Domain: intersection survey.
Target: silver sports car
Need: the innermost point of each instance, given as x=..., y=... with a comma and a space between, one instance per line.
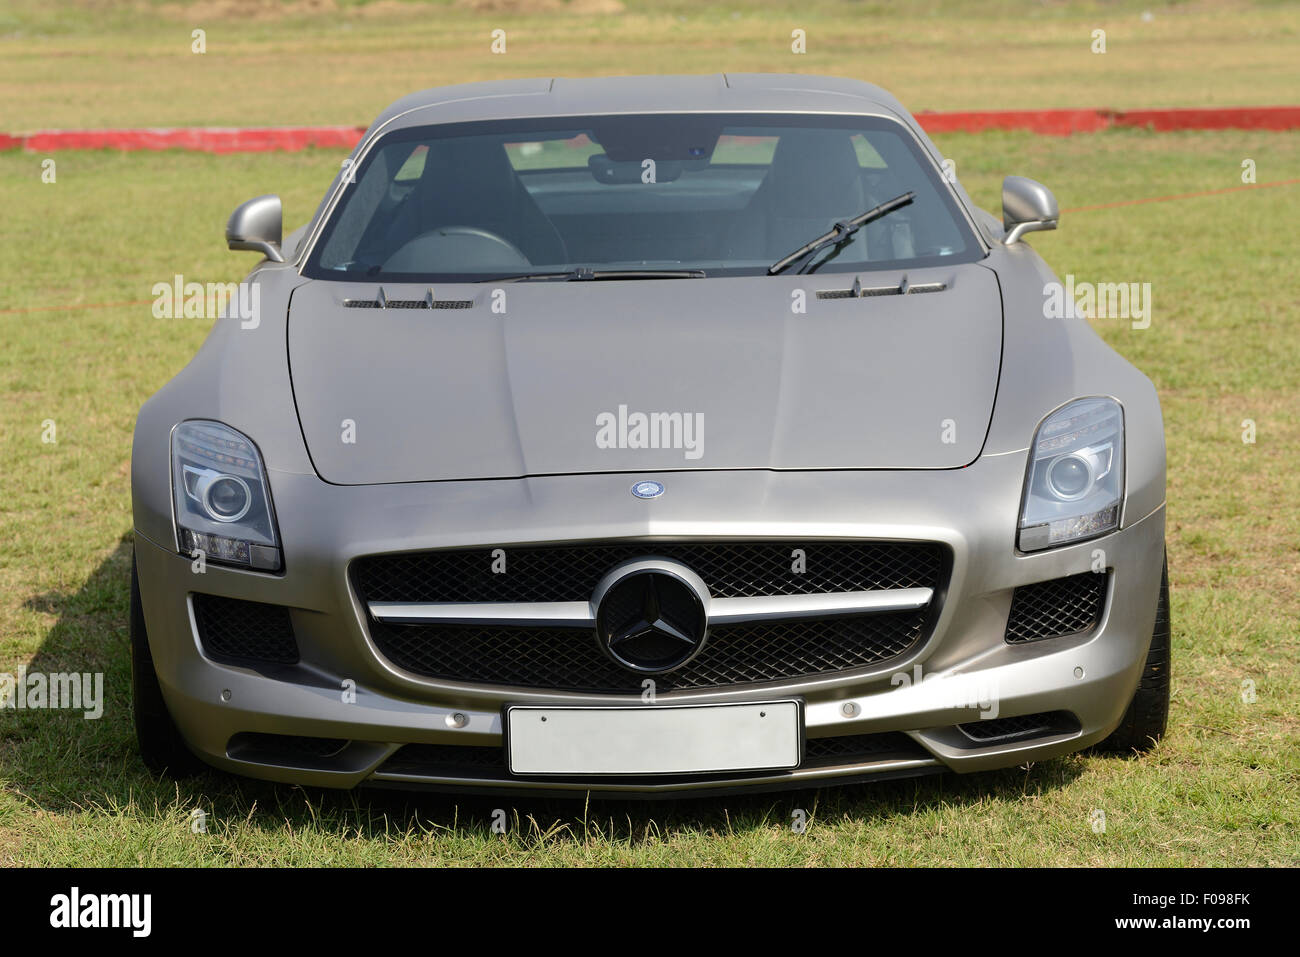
x=647, y=436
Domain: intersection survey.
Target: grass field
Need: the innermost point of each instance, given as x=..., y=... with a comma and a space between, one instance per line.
x=1223, y=346
x=129, y=62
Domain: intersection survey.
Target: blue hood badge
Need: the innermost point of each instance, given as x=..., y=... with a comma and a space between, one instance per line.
x=648, y=489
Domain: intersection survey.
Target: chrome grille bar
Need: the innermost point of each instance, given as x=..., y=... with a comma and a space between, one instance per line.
x=721, y=611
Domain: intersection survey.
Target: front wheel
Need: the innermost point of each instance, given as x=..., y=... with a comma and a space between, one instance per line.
x=1144, y=722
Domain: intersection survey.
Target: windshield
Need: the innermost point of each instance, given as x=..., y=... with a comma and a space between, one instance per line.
x=711, y=193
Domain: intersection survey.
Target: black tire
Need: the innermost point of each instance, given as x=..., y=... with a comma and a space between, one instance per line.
x=161, y=746
x=1144, y=722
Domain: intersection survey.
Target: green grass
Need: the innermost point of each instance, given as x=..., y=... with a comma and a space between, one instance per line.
x=77, y=63
x=1223, y=346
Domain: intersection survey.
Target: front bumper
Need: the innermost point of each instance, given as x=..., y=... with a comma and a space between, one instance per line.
x=344, y=689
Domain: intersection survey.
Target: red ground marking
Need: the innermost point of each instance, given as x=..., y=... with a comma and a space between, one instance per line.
x=1238, y=118
x=289, y=138
x=1051, y=122
x=1064, y=122
x=199, y=139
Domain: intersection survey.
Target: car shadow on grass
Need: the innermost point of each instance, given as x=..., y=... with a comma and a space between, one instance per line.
x=65, y=763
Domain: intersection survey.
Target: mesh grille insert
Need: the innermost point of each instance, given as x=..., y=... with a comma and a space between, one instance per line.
x=445, y=759
x=856, y=748
x=1056, y=608
x=570, y=660
x=571, y=572
x=231, y=629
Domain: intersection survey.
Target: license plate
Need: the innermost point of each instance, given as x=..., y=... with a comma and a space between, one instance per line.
x=654, y=739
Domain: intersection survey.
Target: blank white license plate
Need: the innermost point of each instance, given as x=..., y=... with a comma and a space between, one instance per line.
x=653, y=739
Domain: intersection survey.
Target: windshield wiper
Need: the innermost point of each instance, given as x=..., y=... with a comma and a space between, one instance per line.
x=587, y=274
x=842, y=231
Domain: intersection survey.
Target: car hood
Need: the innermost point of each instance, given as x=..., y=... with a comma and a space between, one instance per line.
x=644, y=376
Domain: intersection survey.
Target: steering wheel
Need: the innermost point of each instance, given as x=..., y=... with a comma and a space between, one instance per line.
x=456, y=249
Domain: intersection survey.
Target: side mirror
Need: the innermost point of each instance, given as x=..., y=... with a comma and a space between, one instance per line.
x=1027, y=206
x=256, y=225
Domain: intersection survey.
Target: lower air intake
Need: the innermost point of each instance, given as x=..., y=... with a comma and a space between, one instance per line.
x=238, y=631
x=443, y=760
x=1019, y=727
x=256, y=746
x=1057, y=608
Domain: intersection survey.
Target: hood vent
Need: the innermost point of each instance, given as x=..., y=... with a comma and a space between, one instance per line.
x=428, y=302
x=859, y=291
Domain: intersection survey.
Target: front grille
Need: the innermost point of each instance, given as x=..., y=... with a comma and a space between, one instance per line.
x=1020, y=726
x=570, y=659
x=234, y=630
x=571, y=572
x=1056, y=608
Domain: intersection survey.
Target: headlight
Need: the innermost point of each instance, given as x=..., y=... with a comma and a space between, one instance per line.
x=1076, y=475
x=223, y=504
